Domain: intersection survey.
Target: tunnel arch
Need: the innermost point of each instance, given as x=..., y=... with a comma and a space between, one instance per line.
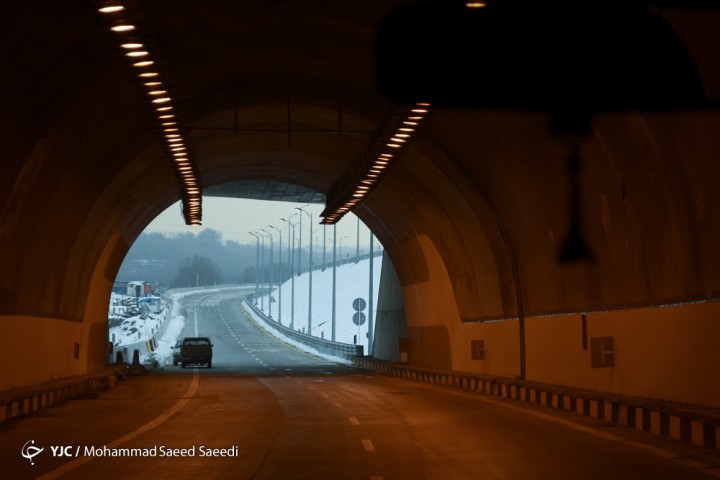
x=479, y=200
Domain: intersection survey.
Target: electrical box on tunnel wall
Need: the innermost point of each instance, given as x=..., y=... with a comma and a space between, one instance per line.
x=602, y=352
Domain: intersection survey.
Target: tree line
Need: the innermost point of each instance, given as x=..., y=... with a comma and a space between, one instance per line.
x=187, y=260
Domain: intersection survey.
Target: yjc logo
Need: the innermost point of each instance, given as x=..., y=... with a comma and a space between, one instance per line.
x=30, y=451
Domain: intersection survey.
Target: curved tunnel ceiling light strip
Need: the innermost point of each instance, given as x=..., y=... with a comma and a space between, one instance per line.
x=175, y=143
x=368, y=170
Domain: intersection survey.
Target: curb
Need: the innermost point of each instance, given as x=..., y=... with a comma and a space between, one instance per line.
x=25, y=401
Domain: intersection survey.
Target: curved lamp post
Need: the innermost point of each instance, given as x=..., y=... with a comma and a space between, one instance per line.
x=291, y=261
x=301, y=209
x=257, y=262
x=280, y=271
x=269, y=235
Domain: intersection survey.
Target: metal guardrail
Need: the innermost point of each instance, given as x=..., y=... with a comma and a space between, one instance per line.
x=321, y=345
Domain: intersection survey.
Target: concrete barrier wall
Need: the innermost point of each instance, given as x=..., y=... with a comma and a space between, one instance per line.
x=327, y=347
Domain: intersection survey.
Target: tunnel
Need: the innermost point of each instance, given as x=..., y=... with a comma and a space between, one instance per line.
x=281, y=100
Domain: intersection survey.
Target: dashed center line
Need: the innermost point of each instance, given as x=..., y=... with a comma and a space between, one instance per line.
x=368, y=445
x=354, y=420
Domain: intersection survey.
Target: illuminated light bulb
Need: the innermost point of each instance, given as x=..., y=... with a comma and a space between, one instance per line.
x=153, y=84
x=157, y=92
x=138, y=53
x=167, y=115
x=144, y=63
x=163, y=109
x=131, y=46
x=392, y=145
x=122, y=28
x=148, y=74
x=111, y=9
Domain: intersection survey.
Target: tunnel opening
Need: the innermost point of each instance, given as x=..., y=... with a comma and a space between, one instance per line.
x=315, y=286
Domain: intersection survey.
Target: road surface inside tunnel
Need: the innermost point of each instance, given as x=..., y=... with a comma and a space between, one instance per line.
x=269, y=411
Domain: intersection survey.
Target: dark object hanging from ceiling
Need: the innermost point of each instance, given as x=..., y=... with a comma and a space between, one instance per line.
x=570, y=59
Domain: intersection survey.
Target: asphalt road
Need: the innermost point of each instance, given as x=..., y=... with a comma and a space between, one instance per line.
x=268, y=411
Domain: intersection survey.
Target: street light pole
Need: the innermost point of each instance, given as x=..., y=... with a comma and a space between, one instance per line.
x=357, y=241
x=334, y=279
x=309, y=329
x=370, y=299
x=343, y=238
x=269, y=235
x=291, y=259
x=257, y=262
x=262, y=272
x=280, y=280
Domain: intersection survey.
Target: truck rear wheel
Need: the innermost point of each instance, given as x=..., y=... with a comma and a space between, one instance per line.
x=209, y=364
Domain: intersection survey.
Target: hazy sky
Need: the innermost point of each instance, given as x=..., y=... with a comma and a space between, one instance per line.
x=234, y=218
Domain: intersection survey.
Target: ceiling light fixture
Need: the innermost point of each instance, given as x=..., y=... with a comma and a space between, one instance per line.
x=364, y=175
x=178, y=154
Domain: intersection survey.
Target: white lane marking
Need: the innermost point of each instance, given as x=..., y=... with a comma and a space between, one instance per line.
x=368, y=445
x=354, y=420
x=78, y=462
x=196, y=327
x=339, y=405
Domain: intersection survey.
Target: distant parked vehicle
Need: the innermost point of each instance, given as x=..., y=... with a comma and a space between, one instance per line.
x=196, y=351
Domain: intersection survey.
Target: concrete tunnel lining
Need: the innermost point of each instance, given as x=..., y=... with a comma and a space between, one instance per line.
x=85, y=174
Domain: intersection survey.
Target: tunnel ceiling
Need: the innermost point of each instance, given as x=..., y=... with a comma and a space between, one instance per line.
x=263, y=190
x=278, y=99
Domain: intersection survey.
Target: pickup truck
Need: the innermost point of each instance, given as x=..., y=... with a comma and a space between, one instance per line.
x=197, y=351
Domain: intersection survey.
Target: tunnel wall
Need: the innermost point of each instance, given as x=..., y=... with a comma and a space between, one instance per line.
x=390, y=324
x=667, y=353
x=38, y=350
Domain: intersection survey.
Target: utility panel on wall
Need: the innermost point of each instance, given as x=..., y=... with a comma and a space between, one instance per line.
x=602, y=352
x=477, y=349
